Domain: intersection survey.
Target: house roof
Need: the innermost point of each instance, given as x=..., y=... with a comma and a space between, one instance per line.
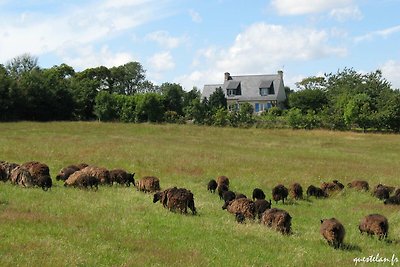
x=250, y=86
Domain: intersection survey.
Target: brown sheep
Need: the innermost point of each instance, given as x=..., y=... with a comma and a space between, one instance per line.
x=359, y=185
x=40, y=173
x=102, y=174
x=82, y=179
x=296, y=191
x=374, y=224
x=122, y=177
x=66, y=172
x=222, y=180
x=162, y=196
x=279, y=192
x=21, y=176
x=242, y=205
x=5, y=170
x=278, y=219
x=148, y=184
x=180, y=199
x=261, y=206
x=331, y=187
x=333, y=231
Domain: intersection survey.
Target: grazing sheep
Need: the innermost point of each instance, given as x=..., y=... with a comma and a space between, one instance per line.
x=221, y=189
x=381, y=192
x=374, y=224
x=162, y=196
x=228, y=196
x=258, y=193
x=240, y=217
x=296, y=191
x=222, y=180
x=359, y=185
x=339, y=184
x=102, y=174
x=316, y=192
x=242, y=205
x=212, y=186
x=181, y=199
x=21, y=176
x=278, y=219
x=82, y=179
x=122, y=177
x=279, y=192
x=331, y=187
x=261, y=206
x=393, y=200
x=148, y=184
x=333, y=231
x=240, y=195
x=40, y=173
x=5, y=170
x=66, y=172
x=44, y=182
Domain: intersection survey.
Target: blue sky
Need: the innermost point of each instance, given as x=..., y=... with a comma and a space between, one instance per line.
x=193, y=42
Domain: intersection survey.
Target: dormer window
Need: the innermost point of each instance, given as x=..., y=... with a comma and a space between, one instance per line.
x=267, y=88
x=233, y=88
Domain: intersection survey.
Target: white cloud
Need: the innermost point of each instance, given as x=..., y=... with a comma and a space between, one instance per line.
x=162, y=62
x=261, y=48
x=381, y=33
x=74, y=27
x=346, y=13
x=88, y=57
x=302, y=7
x=391, y=71
x=195, y=16
x=164, y=39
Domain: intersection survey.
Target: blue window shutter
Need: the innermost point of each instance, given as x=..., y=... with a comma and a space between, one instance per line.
x=257, y=107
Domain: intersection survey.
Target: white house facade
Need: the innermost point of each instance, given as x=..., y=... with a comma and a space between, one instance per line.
x=261, y=91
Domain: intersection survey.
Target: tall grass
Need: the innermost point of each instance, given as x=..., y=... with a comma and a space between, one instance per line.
x=119, y=226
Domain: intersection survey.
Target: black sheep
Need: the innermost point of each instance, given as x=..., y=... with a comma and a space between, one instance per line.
x=261, y=206
x=280, y=192
x=212, y=186
x=221, y=189
x=316, y=192
x=381, y=192
x=258, y=194
x=393, y=200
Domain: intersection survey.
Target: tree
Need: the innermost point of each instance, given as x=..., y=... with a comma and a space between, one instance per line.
x=149, y=108
x=217, y=99
x=6, y=102
x=106, y=106
x=173, y=97
x=21, y=64
x=308, y=99
x=358, y=111
x=126, y=79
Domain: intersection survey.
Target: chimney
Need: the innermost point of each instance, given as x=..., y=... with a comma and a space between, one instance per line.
x=227, y=76
x=280, y=73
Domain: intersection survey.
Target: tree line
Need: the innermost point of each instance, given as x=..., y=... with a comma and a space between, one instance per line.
x=344, y=100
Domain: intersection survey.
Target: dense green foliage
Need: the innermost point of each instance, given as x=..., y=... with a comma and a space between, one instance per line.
x=119, y=226
x=345, y=100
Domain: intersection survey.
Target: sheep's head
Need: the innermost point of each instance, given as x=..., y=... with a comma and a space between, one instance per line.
x=157, y=196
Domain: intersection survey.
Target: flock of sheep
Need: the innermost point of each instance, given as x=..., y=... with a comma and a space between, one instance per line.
x=331, y=229
x=31, y=174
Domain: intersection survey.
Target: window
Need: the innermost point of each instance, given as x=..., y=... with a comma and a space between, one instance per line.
x=263, y=91
x=256, y=107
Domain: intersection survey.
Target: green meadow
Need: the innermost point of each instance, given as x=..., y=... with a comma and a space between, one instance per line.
x=119, y=226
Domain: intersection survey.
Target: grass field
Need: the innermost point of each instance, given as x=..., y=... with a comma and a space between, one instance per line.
x=119, y=226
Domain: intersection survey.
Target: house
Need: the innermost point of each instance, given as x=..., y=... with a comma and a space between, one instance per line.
x=261, y=91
